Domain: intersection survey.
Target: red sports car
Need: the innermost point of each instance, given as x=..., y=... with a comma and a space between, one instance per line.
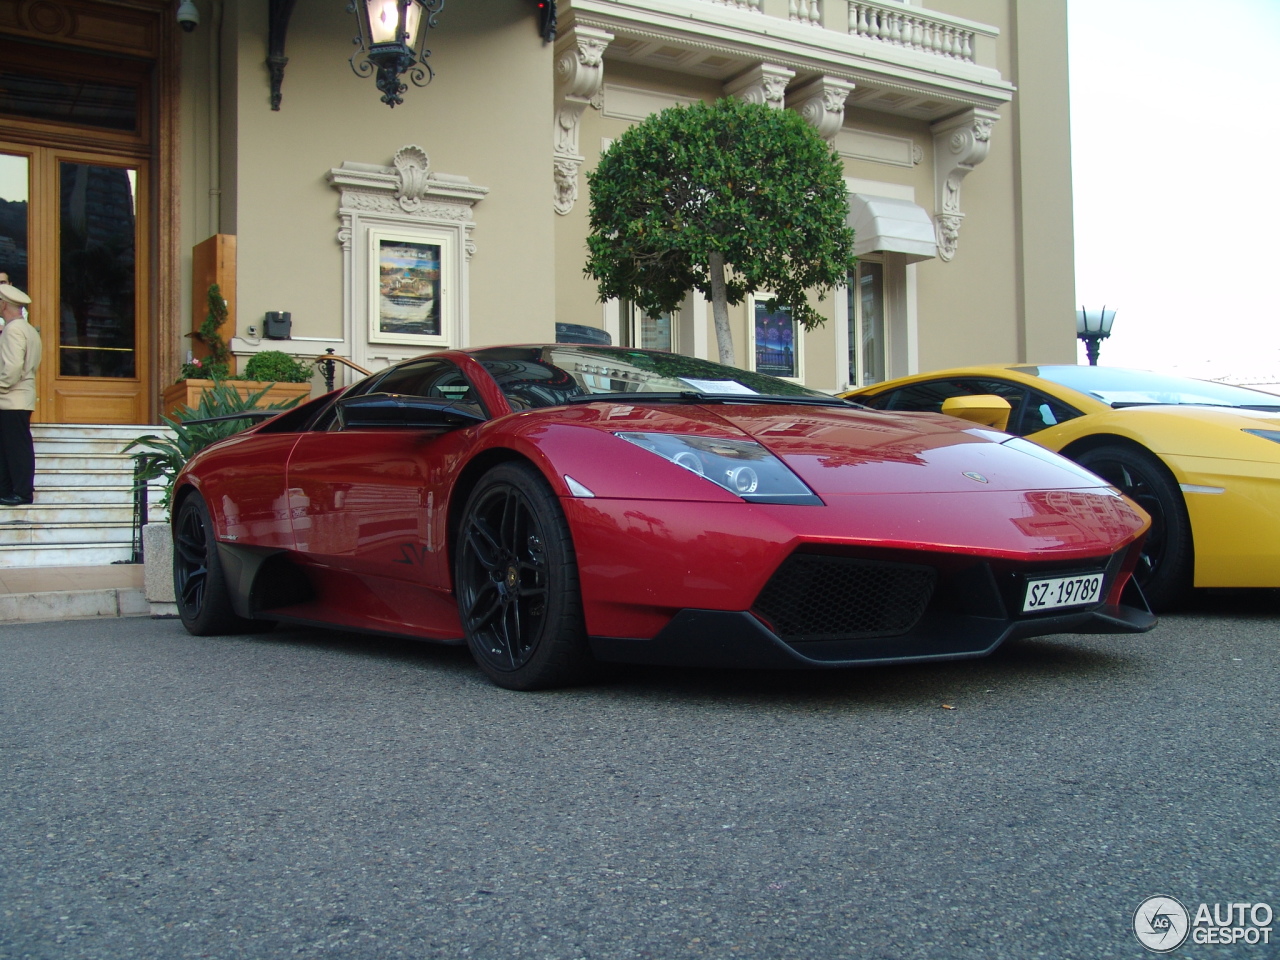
x=560, y=504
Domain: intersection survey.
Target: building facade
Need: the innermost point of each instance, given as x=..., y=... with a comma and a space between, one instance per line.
x=459, y=217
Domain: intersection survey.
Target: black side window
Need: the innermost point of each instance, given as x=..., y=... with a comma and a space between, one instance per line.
x=1043, y=412
x=924, y=397
x=929, y=396
x=440, y=379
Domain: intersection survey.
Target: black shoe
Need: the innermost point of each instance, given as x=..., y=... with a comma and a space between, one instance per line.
x=15, y=501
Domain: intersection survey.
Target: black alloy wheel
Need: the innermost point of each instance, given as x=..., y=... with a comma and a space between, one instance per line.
x=516, y=581
x=199, y=584
x=1165, y=567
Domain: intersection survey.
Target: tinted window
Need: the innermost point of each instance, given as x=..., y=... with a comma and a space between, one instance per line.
x=1042, y=412
x=428, y=378
x=440, y=379
x=551, y=375
x=930, y=396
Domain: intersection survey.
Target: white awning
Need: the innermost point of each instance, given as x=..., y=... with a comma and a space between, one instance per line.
x=895, y=226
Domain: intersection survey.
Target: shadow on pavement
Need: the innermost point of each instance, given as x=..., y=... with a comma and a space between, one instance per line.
x=1059, y=659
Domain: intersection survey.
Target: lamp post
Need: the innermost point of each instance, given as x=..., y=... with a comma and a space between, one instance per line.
x=1093, y=326
x=392, y=42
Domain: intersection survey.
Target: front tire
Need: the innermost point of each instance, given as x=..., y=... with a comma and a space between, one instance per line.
x=1165, y=568
x=199, y=584
x=516, y=580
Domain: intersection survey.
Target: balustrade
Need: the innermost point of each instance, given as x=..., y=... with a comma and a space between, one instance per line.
x=910, y=27
x=806, y=11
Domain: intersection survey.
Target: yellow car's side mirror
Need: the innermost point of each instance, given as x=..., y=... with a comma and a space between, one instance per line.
x=984, y=409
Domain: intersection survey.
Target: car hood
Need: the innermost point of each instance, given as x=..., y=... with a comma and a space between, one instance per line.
x=852, y=450
x=895, y=452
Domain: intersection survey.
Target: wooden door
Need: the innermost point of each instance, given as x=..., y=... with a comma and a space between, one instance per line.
x=82, y=256
x=77, y=139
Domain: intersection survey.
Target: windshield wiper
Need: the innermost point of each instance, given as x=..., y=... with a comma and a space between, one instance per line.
x=694, y=396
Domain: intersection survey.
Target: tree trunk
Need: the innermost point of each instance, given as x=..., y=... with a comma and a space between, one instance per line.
x=720, y=309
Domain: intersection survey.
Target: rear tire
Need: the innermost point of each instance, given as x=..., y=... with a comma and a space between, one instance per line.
x=199, y=584
x=516, y=581
x=1166, y=566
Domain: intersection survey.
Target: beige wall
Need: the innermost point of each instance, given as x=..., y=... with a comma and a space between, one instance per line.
x=1008, y=294
x=489, y=102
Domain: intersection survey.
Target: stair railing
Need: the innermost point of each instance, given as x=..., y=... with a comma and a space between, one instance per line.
x=140, y=511
x=328, y=367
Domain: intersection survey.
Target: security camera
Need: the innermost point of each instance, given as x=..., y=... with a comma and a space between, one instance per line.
x=188, y=15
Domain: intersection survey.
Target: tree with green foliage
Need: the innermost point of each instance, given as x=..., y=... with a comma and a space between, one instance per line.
x=730, y=199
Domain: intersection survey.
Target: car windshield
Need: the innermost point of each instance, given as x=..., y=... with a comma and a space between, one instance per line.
x=543, y=376
x=1120, y=387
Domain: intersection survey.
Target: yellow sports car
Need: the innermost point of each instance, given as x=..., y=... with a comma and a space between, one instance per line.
x=1202, y=458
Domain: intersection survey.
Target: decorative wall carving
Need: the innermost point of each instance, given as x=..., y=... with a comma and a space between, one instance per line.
x=765, y=83
x=409, y=200
x=413, y=169
x=821, y=103
x=579, y=76
x=960, y=143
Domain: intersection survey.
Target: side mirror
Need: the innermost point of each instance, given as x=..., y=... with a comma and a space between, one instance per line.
x=984, y=409
x=406, y=412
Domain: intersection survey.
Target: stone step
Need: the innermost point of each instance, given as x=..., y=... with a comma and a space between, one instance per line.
x=96, y=461
x=65, y=555
x=85, y=496
x=67, y=477
x=113, y=527
x=65, y=440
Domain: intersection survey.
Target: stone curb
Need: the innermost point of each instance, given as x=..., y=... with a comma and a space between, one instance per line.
x=73, y=605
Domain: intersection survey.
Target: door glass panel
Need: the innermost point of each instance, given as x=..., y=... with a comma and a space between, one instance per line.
x=14, y=178
x=97, y=257
x=69, y=100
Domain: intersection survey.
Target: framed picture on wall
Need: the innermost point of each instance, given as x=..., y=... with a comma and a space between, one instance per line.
x=410, y=294
x=775, y=339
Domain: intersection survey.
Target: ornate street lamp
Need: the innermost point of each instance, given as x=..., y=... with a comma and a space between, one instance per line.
x=392, y=42
x=1093, y=326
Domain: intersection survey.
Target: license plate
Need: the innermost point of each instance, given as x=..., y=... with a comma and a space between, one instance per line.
x=1060, y=592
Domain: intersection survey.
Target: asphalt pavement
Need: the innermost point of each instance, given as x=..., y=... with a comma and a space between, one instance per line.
x=317, y=794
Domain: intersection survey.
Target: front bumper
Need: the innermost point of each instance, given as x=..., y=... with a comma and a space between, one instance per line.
x=716, y=638
x=864, y=612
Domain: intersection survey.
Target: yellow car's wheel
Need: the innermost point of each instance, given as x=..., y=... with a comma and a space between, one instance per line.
x=1165, y=569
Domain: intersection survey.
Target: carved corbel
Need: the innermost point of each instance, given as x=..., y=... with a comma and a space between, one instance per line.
x=764, y=83
x=579, y=77
x=960, y=143
x=821, y=103
x=413, y=171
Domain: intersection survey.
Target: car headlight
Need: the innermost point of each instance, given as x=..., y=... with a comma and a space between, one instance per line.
x=742, y=467
x=1273, y=435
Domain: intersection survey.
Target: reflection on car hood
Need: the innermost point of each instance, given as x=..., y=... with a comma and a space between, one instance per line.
x=888, y=452
x=895, y=453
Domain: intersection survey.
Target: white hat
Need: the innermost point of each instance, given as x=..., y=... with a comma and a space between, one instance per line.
x=15, y=296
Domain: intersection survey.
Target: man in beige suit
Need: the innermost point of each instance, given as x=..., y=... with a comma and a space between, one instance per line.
x=20, y=351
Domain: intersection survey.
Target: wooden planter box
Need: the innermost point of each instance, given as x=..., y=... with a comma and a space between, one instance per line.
x=188, y=392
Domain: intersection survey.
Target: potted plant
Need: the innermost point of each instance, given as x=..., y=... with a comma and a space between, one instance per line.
x=270, y=372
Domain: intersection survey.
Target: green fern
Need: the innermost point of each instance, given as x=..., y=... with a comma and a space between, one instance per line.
x=165, y=456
